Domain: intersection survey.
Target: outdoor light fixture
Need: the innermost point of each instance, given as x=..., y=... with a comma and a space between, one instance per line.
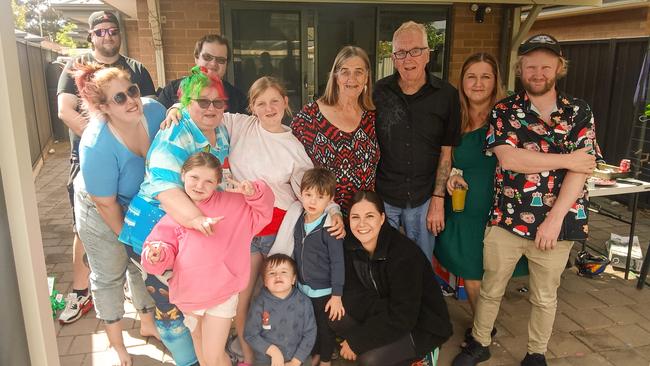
x=480, y=11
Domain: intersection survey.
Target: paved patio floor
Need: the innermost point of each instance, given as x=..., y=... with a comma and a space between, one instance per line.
x=603, y=321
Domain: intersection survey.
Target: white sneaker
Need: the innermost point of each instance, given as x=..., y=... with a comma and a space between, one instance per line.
x=75, y=308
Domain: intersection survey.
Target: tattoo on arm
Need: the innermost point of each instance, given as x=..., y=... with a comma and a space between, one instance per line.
x=442, y=174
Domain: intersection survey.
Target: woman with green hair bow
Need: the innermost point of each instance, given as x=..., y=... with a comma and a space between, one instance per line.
x=203, y=101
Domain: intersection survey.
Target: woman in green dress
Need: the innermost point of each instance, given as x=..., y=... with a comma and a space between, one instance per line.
x=460, y=245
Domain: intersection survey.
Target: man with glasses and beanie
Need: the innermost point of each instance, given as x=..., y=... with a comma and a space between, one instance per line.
x=418, y=122
x=105, y=39
x=212, y=52
x=548, y=209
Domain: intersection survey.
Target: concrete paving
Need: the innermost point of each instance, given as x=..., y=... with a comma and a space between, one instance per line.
x=602, y=321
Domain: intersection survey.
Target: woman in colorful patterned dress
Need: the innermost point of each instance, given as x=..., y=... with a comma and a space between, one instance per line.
x=338, y=129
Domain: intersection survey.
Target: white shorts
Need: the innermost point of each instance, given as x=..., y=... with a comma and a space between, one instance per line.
x=226, y=310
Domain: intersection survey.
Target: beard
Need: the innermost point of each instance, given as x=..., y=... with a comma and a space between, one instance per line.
x=536, y=90
x=108, y=51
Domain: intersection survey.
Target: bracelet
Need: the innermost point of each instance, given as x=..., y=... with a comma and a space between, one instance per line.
x=439, y=195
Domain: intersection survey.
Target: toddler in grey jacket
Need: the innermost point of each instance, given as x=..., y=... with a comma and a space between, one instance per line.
x=280, y=326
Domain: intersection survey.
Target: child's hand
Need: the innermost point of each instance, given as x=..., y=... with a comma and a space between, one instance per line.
x=172, y=118
x=294, y=362
x=337, y=229
x=204, y=224
x=276, y=355
x=244, y=187
x=335, y=308
x=154, y=252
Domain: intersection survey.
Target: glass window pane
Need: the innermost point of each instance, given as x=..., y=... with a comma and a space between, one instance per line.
x=267, y=43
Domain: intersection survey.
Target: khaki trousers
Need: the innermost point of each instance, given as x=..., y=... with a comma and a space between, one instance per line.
x=502, y=249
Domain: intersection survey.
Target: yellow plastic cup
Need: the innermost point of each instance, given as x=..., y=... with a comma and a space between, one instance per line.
x=458, y=199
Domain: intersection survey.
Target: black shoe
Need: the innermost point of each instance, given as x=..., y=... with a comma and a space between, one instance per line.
x=469, y=336
x=534, y=359
x=471, y=354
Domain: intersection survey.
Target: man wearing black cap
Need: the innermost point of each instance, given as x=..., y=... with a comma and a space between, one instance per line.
x=545, y=207
x=105, y=38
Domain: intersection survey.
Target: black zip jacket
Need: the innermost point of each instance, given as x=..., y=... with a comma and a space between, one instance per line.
x=391, y=294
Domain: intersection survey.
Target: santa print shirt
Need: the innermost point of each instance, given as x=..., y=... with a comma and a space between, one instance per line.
x=351, y=156
x=522, y=201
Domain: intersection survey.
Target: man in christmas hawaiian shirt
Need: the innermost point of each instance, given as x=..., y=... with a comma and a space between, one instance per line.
x=545, y=144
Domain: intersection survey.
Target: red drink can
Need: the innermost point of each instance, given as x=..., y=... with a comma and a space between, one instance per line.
x=624, y=166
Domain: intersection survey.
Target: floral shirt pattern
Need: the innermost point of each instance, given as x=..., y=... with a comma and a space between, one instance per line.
x=522, y=201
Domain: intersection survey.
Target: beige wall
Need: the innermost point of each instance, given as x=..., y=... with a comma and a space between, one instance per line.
x=614, y=24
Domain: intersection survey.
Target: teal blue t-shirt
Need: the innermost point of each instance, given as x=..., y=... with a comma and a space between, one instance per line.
x=312, y=225
x=108, y=168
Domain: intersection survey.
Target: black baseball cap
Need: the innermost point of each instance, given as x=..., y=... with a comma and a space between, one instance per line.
x=103, y=16
x=540, y=41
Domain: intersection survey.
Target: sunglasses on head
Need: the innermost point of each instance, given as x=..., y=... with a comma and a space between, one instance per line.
x=120, y=98
x=101, y=32
x=209, y=58
x=205, y=103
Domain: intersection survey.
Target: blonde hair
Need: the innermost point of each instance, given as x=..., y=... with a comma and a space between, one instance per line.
x=331, y=95
x=496, y=95
x=263, y=84
x=563, y=64
x=411, y=26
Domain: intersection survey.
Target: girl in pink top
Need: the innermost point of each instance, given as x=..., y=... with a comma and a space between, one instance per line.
x=209, y=271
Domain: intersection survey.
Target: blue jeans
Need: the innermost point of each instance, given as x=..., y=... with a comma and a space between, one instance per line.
x=414, y=220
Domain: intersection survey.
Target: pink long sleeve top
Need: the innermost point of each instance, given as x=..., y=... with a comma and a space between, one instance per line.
x=207, y=270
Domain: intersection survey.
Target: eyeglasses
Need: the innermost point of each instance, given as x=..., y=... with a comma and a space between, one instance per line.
x=205, y=103
x=120, y=98
x=209, y=58
x=414, y=52
x=347, y=73
x=101, y=32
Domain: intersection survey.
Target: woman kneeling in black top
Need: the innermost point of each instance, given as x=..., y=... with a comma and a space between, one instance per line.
x=394, y=310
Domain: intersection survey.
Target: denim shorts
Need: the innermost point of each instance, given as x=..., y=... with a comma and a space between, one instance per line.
x=262, y=244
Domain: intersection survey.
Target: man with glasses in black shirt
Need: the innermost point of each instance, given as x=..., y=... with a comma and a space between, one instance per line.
x=105, y=39
x=418, y=122
x=212, y=52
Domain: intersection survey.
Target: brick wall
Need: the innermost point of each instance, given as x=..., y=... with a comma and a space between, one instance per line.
x=614, y=24
x=469, y=37
x=186, y=21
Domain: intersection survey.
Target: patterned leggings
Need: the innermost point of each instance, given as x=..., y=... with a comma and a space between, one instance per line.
x=169, y=320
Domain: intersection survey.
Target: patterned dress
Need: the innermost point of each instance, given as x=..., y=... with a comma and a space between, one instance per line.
x=351, y=156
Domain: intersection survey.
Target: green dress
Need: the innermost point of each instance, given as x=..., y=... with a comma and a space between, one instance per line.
x=459, y=247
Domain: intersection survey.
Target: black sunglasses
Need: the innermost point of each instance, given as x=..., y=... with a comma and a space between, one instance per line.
x=205, y=103
x=101, y=32
x=120, y=98
x=208, y=58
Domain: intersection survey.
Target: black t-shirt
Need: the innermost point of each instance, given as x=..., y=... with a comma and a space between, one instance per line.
x=411, y=129
x=139, y=74
x=236, y=99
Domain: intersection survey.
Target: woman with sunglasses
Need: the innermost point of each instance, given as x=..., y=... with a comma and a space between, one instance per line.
x=112, y=154
x=200, y=128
